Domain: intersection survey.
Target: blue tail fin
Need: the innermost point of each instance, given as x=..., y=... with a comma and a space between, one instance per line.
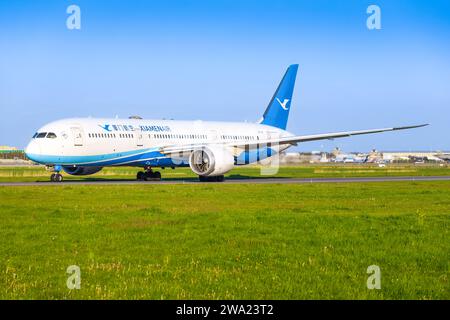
x=277, y=112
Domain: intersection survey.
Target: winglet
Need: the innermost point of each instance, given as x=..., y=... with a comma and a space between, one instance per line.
x=411, y=127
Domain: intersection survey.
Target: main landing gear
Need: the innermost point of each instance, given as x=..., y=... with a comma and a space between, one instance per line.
x=148, y=175
x=211, y=179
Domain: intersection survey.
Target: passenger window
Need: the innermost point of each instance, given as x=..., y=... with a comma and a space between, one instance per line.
x=51, y=135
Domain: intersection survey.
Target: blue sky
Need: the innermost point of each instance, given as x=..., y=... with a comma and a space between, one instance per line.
x=222, y=60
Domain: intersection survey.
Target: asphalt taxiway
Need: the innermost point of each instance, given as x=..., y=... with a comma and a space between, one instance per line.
x=229, y=181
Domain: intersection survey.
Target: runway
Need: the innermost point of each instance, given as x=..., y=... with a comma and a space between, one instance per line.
x=228, y=181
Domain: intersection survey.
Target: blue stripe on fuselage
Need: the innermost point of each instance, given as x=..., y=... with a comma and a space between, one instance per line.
x=146, y=157
x=98, y=160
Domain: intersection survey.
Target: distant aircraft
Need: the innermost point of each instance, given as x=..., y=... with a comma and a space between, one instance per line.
x=348, y=159
x=443, y=156
x=83, y=146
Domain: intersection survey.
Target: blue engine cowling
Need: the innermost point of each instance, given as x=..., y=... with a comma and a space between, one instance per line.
x=81, y=171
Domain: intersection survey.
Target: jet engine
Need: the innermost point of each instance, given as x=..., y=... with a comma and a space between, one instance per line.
x=81, y=171
x=211, y=161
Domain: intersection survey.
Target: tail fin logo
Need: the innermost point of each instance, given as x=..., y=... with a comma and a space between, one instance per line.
x=284, y=103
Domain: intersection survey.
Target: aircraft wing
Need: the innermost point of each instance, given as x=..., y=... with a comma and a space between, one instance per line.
x=282, y=140
x=330, y=136
x=323, y=136
x=181, y=150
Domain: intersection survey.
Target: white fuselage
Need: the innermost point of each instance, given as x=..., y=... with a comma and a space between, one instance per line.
x=135, y=142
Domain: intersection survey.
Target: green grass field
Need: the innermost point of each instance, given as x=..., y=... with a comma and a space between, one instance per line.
x=217, y=241
x=38, y=173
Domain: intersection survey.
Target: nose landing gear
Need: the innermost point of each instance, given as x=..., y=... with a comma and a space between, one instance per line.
x=55, y=176
x=148, y=175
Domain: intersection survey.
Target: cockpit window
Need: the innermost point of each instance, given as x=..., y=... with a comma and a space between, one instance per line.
x=51, y=135
x=41, y=135
x=34, y=135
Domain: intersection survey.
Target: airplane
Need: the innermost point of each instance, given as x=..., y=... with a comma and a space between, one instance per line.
x=83, y=146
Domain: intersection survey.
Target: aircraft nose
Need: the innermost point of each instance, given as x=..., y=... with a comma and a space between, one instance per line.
x=33, y=150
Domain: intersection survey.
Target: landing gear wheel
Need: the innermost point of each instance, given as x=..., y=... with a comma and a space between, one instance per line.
x=140, y=175
x=152, y=176
x=157, y=175
x=149, y=175
x=56, y=177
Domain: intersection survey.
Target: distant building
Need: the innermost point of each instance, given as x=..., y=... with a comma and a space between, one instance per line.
x=324, y=158
x=445, y=156
x=411, y=156
x=374, y=156
x=7, y=152
x=8, y=149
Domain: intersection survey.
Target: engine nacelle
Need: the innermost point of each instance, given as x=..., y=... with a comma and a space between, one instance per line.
x=81, y=171
x=211, y=161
